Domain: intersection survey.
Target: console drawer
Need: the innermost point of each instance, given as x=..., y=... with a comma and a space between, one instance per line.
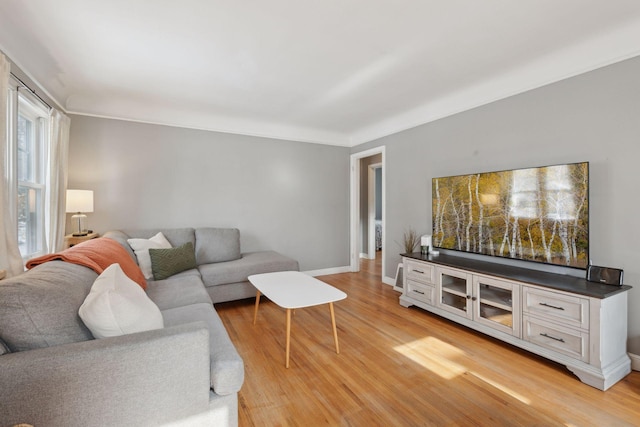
x=421, y=292
x=570, y=342
x=567, y=309
x=419, y=271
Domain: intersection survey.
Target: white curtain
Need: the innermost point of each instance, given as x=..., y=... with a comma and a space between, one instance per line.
x=10, y=258
x=55, y=212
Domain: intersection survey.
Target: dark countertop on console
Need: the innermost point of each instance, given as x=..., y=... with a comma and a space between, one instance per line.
x=556, y=281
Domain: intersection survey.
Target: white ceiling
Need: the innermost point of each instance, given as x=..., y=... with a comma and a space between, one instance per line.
x=337, y=72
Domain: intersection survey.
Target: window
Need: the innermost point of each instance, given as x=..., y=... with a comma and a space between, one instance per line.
x=30, y=135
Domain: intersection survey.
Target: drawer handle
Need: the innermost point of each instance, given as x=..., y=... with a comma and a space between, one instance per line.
x=553, y=338
x=418, y=271
x=551, y=306
x=418, y=292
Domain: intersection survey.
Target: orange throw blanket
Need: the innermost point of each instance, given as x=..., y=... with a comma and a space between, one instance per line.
x=97, y=254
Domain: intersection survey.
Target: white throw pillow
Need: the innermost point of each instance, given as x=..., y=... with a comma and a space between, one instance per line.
x=116, y=305
x=141, y=248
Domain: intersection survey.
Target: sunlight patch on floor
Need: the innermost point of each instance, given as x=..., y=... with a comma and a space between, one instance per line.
x=502, y=388
x=435, y=355
x=438, y=357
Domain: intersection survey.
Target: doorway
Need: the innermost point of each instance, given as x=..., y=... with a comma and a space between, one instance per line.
x=367, y=222
x=374, y=208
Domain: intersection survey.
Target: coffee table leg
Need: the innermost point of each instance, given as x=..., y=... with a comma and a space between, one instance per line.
x=255, y=311
x=288, y=336
x=333, y=324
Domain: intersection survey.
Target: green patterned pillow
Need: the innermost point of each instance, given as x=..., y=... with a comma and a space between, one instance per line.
x=167, y=262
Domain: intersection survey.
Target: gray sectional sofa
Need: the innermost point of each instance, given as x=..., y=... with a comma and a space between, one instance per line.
x=221, y=265
x=53, y=373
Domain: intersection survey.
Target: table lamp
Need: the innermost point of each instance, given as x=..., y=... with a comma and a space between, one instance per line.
x=80, y=201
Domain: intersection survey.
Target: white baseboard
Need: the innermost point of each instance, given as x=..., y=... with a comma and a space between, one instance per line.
x=364, y=255
x=327, y=271
x=346, y=269
x=635, y=361
x=389, y=281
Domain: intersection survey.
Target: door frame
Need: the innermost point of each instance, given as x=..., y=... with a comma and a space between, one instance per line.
x=354, y=254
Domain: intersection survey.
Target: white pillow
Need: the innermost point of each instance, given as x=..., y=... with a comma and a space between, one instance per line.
x=116, y=305
x=141, y=248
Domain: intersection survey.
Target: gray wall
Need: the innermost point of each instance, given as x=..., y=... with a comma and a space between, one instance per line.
x=287, y=196
x=594, y=117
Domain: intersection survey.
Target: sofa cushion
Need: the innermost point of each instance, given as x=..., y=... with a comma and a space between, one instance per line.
x=117, y=306
x=227, y=367
x=39, y=308
x=141, y=248
x=250, y=263
x=167, y=262
x=177, y=291
x=217, y=245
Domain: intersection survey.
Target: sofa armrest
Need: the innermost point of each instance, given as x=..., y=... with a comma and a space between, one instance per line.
x=148, y=378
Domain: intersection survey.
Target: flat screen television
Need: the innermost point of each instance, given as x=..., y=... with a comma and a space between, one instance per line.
x=538, y=214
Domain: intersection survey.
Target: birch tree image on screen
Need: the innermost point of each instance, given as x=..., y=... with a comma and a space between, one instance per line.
x=537, y=214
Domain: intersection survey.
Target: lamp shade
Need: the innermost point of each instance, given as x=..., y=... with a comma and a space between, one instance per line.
x=79, y=200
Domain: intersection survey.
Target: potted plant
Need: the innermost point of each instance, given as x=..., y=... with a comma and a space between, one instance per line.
x=410, y=240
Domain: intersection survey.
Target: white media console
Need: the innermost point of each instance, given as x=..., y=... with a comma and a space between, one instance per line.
x=580, y=324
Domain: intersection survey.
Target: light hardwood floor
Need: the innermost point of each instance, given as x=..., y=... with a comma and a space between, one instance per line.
x=403, y=367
